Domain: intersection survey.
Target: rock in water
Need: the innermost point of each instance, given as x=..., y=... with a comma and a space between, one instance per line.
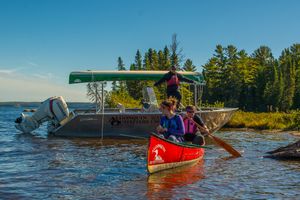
x=289, y=152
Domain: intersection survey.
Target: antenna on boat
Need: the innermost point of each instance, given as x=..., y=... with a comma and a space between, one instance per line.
x=102, y=102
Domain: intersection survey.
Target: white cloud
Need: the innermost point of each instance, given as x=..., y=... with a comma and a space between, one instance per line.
x=8, y=71
x=16, y=87
x=32, y=64
x=11, y=70
x=47, y=76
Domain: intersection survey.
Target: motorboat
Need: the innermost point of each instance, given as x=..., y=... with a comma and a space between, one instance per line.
x=114, y=122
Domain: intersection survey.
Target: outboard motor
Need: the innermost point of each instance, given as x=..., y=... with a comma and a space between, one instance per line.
x=53, y=110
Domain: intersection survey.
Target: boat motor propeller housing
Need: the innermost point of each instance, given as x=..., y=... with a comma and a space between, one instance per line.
x=53, y=110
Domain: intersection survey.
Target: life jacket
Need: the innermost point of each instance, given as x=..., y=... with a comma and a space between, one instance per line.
x=170, y=123
x=190, y=126
x=173, y=80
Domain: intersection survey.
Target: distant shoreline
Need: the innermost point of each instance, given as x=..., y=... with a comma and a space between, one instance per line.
x=37, y=104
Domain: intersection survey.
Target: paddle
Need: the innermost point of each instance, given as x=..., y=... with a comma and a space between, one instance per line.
x=220, y=142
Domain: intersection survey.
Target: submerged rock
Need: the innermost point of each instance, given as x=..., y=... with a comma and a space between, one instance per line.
x=290, y=152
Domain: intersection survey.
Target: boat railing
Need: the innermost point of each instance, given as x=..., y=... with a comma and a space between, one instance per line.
x=112, y=110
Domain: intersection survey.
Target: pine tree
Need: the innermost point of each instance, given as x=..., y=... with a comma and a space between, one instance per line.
x=273, y=89
x=121, y=67
x=188, y=66
x=167, y=59
x=161, y=61
x=247, y=70
x=176, y=53
x=296, y=100
x=146, y=62
x=264, y=61
x=295, y=53
x=287, y=65
x=153, y=59
x=213, y=75
x=138, y=60
x=116, y=84
x=232, y=77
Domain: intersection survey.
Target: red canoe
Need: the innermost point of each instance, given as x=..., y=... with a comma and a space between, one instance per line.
x=164, y=154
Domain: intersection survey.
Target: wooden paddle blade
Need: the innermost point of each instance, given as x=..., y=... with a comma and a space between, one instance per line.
x=226, y=146
x=220, y=142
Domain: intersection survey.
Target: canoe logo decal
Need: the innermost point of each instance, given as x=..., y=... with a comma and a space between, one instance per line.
x=157, y=150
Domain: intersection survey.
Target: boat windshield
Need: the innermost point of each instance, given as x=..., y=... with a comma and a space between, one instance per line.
x=149, y=96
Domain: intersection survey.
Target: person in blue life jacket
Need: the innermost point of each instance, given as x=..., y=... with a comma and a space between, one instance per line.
x=173, y=79
x=171, y=124
x=193, y=133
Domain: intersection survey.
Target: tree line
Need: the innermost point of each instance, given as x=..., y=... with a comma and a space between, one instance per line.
x=152, y=60
x=255, y=82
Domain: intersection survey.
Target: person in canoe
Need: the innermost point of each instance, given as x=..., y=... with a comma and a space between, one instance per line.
x=173, y=81
x=192, y=132
x=171, y=124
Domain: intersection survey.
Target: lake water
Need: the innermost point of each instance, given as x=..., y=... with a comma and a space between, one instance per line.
x=38, y=166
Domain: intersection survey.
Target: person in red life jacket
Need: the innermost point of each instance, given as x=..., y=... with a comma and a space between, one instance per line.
x=173, y=81
x=192, y=132
x=171, y=124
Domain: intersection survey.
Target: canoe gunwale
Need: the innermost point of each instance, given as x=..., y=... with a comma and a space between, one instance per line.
x=181, y=144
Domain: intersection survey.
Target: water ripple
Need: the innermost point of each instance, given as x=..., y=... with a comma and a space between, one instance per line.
x=38, y=166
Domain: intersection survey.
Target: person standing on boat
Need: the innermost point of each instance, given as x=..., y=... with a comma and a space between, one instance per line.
x=192, y=132
x=173, y=81
x=171, y=124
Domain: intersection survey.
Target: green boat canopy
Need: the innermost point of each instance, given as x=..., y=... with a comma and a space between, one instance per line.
x=93, y=76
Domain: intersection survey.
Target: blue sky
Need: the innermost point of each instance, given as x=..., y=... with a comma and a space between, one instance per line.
x=42, y=41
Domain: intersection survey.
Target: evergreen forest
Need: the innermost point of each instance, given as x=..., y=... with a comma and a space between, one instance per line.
x=252, y=82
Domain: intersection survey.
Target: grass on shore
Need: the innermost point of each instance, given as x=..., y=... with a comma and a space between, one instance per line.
x=265, y=121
